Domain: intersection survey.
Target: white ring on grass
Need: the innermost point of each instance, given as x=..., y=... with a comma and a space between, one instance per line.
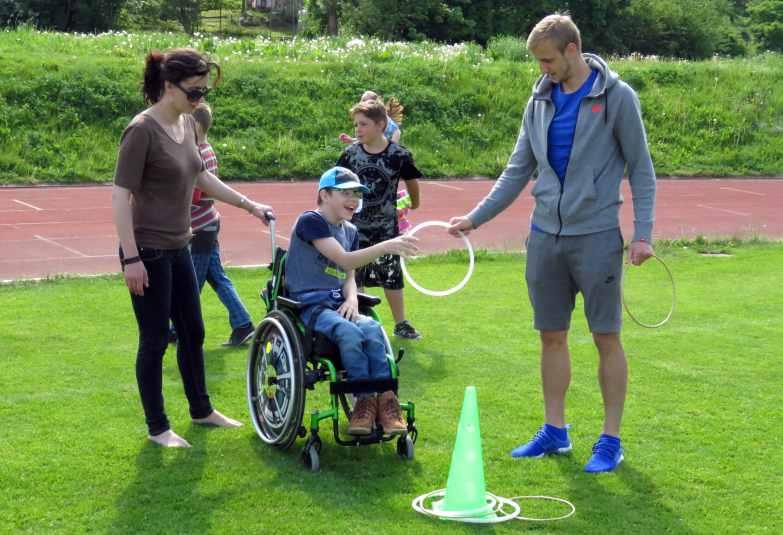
x=439, y=293
x=516, y=499
x=495, y=504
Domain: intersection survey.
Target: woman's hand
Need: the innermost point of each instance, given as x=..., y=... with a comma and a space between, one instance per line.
x=136, y=278
x=350, y=308
x=261, y=211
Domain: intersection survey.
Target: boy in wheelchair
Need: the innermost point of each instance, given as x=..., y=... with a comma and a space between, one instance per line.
x=319, y=272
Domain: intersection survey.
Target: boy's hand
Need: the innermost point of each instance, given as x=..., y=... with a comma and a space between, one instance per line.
x=350, y=308
x=345, y=138
x=460, y=224
x=404, y=246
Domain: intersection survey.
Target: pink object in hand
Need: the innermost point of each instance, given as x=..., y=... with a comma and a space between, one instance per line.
x=403, y=207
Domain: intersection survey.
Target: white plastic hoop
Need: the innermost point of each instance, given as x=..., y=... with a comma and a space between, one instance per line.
x=495, y=504
x=516, y=499
x=665, y=320
x=462, y=283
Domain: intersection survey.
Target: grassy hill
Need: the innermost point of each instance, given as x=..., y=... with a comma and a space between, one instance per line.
x=66, y=98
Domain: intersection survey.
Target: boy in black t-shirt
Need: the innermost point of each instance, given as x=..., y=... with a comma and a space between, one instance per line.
x=380, y=164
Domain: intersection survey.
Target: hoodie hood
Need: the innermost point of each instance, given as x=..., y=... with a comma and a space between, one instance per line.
x=606, y=78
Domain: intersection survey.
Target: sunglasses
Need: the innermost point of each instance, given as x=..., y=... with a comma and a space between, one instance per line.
x=348, y=193
x=195, y=94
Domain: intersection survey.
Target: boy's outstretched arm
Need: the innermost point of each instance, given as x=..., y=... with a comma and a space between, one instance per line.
x=331, y=249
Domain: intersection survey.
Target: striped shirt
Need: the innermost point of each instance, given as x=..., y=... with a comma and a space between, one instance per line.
x=203, y=215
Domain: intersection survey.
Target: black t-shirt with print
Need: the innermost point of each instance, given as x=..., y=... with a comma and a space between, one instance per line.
x=381, y=173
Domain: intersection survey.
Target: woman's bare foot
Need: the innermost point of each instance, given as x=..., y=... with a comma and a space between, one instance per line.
x=218, y=420
x=169, y=439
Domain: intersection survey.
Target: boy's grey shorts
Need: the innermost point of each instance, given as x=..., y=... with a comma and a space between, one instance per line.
x=559, y=267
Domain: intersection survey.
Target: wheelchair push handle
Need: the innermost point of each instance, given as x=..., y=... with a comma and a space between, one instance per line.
x=272, y=220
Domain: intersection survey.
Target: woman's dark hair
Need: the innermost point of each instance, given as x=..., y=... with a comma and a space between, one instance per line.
x=174, y=66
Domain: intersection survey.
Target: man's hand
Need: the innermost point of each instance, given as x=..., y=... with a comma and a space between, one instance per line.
x=460, y=224
x=136, y=278
x=350, y=308
x=404, y=246
x=639, y=251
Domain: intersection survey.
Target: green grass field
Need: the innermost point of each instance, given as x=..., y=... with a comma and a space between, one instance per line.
x=699, y=430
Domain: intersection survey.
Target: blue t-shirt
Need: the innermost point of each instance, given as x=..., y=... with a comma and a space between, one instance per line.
x=306, y=269
x=391, y=127
x=560, y=137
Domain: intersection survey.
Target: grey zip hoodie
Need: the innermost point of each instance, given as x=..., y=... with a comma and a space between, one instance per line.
x=609, y=137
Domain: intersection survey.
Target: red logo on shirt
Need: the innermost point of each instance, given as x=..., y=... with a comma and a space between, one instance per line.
x=597, y=108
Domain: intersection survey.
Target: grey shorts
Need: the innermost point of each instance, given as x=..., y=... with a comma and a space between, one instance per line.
x=558, y=268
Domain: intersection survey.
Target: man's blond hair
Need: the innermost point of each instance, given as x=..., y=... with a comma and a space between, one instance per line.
x=557, y=28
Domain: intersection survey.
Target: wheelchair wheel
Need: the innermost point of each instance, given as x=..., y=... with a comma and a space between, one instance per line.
x=311, y=454
x=405, y=447
x=275, y=380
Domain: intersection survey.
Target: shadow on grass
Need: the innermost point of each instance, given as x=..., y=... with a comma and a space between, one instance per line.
x=351, y=479
x=421, y=366
x=640, y=509
x=165, y=492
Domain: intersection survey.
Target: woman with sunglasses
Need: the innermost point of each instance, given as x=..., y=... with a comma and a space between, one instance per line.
x=157, y=168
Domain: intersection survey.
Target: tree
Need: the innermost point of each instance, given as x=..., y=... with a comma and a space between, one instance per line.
x=187, y=12
x=70, y=15
x=14, y=12
x=766, y=23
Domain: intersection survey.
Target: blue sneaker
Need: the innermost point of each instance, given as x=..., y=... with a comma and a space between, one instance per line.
x=548, y=439
x=607, y=454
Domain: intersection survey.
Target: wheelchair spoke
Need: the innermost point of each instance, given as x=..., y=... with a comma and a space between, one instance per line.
x=277, y=406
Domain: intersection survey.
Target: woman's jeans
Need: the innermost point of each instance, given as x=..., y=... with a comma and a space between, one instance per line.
x=172, y=294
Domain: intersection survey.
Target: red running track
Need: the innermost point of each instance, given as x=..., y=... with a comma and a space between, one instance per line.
x=69, y=230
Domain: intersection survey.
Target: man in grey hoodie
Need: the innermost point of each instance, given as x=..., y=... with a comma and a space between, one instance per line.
x=582, y=128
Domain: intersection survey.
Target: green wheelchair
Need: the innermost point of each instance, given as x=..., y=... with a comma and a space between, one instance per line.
x=286, y=359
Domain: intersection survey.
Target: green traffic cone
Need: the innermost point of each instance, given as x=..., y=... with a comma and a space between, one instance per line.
x=465, y=490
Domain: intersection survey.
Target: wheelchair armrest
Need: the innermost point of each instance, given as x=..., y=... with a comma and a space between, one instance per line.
x=290, y=304
x=367, y=300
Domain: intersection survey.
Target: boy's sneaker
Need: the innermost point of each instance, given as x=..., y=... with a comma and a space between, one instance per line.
x=240, y=335
x=405, y=330
x=390, y=414
x=548, y=439
x=363, y=417
x=607, y=454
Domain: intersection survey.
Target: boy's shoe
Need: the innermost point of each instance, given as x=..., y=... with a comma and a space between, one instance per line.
x=390, y=414
x=240, y=335
x=363, y=417
x=607, y=454
x=545, y=441
x=405, y=330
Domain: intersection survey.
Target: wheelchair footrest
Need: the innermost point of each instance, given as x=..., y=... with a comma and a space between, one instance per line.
x=366, y=386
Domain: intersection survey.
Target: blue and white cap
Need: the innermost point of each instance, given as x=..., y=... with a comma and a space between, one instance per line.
x=341, y=178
